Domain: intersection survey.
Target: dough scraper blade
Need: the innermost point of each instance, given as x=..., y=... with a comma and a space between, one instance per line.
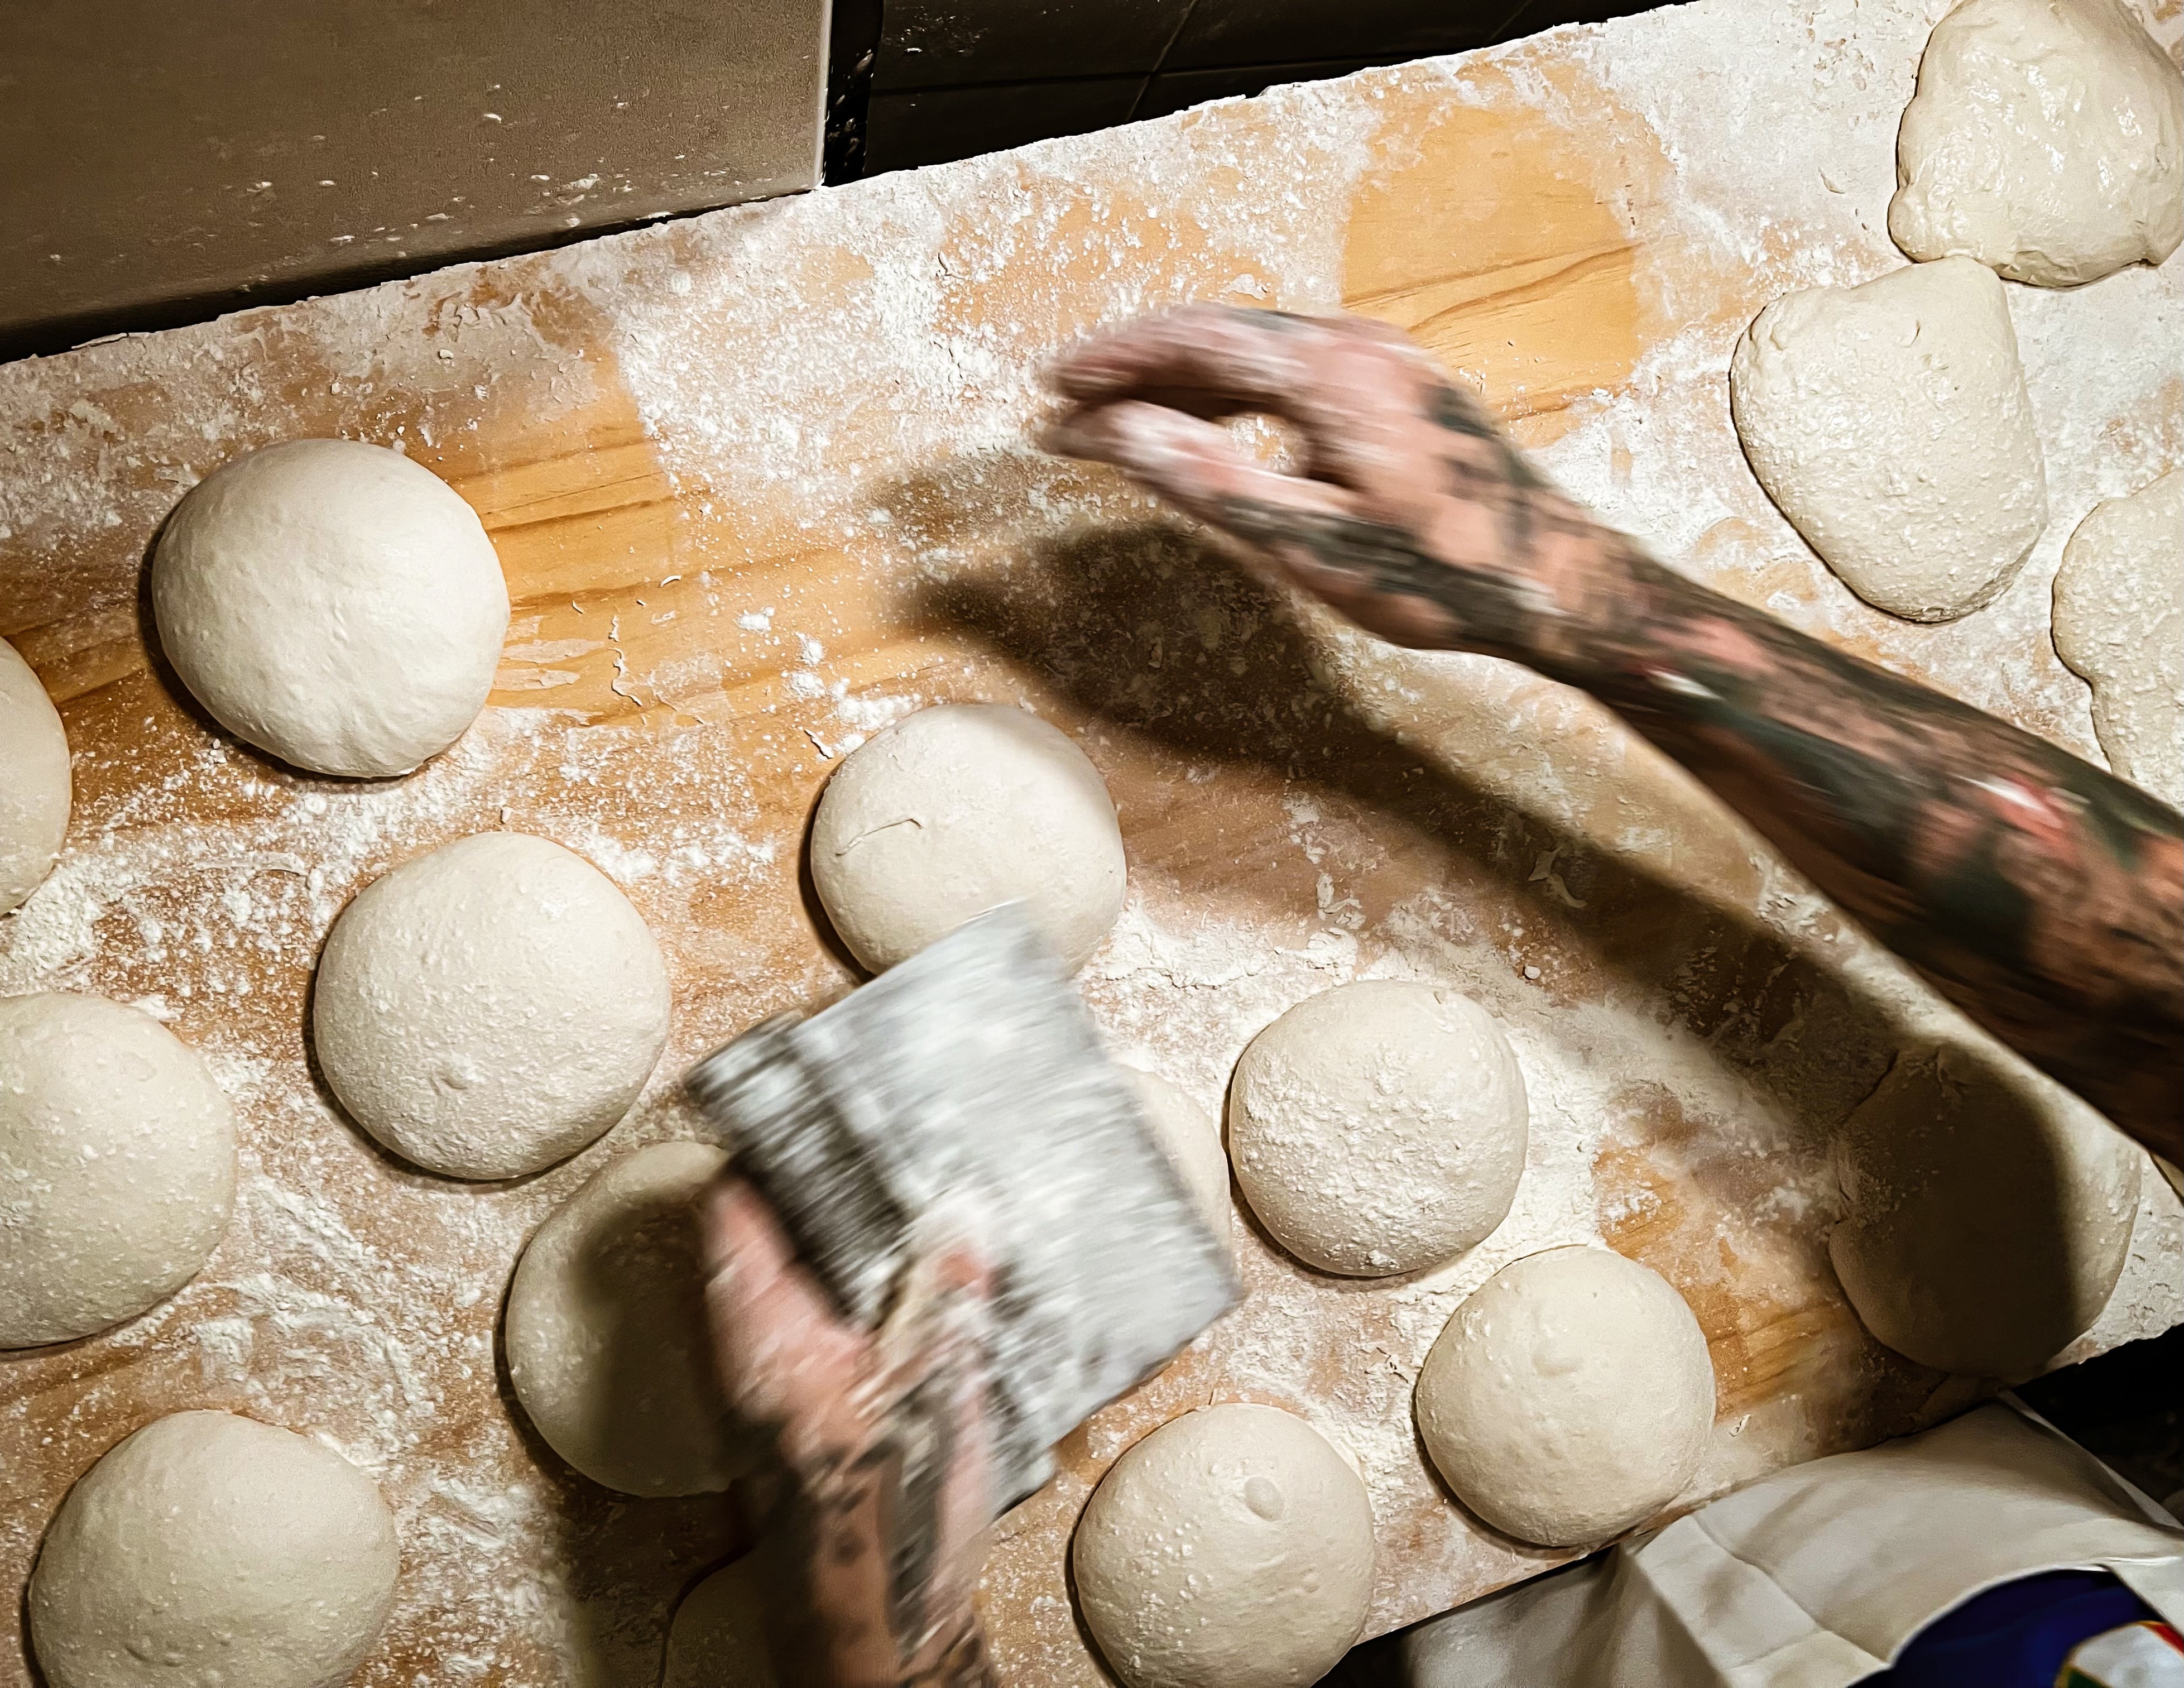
x=968, y=1087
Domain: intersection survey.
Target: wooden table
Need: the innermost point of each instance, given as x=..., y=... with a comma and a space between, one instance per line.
x=761, y=484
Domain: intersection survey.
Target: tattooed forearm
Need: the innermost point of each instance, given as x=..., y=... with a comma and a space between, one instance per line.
x=2044, y=897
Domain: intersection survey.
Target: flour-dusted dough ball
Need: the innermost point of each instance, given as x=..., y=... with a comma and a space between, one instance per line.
x=1231, y=1548
x=490, y=1008
x=607, y=1342
x=718, y=1638
x=2119, y=623
x=1989, y=1213
x=333, y=603
x=1890, y=423
x=1379, y=1127
x=209, y=1549
x=34, y=780
x=117, y=1165
x=2046, y=140
x=1192, y=1137
x=1569, y=1397
x=957, y=809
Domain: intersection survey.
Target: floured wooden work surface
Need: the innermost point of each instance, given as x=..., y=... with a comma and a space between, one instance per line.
x=760, y=485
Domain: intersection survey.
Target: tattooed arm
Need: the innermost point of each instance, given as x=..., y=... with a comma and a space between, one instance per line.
x=882, y=1433
x=2042, y=896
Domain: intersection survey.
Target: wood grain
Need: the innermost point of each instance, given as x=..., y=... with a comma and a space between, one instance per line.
x=759, y=483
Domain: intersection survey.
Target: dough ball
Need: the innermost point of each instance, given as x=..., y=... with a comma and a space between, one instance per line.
x=607, y=1342
x=117, y=1166
x=2046, y=140
x=1989, y=1213
x=2119, y=623
x=333, y=603
x=1231, y=1548
x=1378, y=1127
x=1890, y=423
x=490, y=1008
x=1192, y=1137
x=955, y=809
x=206, y=1549
x=718, y=1638
x=34, y=796
x=1570, y=1398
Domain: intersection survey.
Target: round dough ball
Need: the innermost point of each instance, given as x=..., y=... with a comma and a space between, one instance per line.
x=2120, y=624
x=117, y=1166
x=607, y=1340
x=1379, y=1127
x=718, y=1638
x=1989, y=1213
x=2046, y=140
x=34, y=796
x=1570, y=1398
x=1890, y=423
x=1192, y=1137
x=207, y=1548
x=490, y=1008
x=1231, y=1548
x=333, y=603
x=954, y=810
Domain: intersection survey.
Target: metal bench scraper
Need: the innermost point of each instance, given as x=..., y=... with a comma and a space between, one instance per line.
x=969, y=1081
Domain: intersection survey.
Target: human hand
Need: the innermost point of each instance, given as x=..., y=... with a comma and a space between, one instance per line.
x=1410, y=513
x=884, y=1433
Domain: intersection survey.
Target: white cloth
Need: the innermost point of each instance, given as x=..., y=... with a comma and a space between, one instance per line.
x=1817, y=1576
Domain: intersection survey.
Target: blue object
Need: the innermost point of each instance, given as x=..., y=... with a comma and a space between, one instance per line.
x=2014, y=1636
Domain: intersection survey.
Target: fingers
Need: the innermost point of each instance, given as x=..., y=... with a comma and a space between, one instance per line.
x=1229, y=358
x=1192, y=464
x=785, y=1356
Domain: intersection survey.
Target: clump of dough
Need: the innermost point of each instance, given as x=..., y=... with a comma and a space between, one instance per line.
x=718, y=1638
x=954, y=810
x=2119, y=623
x=1989, y=1213
x=333, y=603
x=1890, y=423
x=117, y=1165
x=490, y=1008
x=1379, y=1127
x=608, y=1346
x=1231, y=1548
x=34, y=796
x=1192, y=1137
x=2046, y=140
x=1570, y=1398
x=207, y=1548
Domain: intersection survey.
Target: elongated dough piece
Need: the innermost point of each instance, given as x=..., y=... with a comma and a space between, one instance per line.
x=2119, y=622
x=1890, y=423
x=2046, y=140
